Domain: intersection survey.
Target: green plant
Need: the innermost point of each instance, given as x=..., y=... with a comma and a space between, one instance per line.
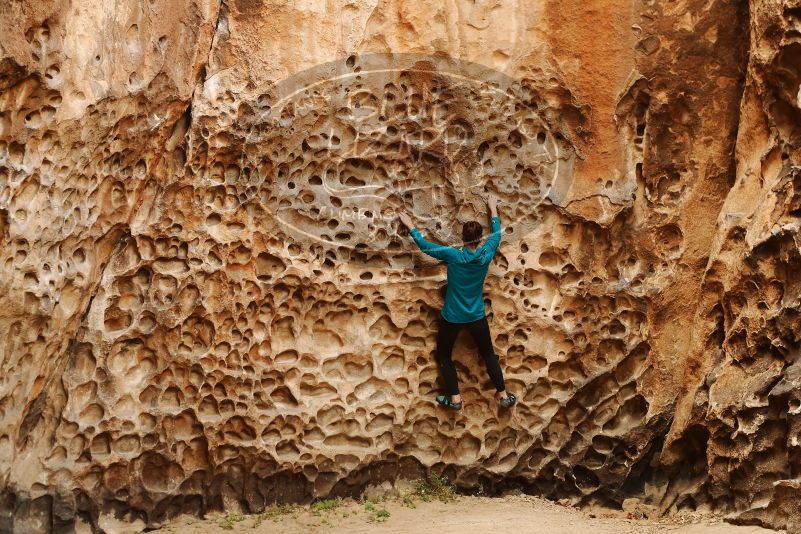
x=274, y=513
x=408, y=501
x=324, y=505
x=377, y=515
x=435, y=487
x=227, y=522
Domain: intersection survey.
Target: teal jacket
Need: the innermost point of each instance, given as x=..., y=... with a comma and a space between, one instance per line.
x=464, y=300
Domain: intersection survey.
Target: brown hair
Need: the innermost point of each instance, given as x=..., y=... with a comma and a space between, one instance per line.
x=471, y=232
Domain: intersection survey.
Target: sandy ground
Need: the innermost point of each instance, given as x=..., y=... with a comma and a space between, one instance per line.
x=465, y=515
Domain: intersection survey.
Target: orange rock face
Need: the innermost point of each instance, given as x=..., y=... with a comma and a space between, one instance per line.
x=207, y=302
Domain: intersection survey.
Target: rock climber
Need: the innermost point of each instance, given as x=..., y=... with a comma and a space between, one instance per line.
x=464, y=302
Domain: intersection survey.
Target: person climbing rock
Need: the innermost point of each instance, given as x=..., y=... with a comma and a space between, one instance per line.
x=464, y=302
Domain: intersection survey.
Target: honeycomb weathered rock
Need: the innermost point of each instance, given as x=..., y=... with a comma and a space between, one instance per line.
x=206, y=301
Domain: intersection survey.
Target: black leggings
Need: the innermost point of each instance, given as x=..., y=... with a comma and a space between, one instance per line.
x=446, y=337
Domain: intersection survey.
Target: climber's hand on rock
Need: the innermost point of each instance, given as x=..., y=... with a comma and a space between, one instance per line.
x=492, y=204
x=406, y=220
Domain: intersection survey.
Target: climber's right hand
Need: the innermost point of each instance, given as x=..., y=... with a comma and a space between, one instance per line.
x=406, y=220
x=492, y=204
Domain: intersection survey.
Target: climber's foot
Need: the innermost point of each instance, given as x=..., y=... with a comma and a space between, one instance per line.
x=446, y=402
x=506, y=400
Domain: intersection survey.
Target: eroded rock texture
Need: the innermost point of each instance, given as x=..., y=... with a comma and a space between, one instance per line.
x=207, y=303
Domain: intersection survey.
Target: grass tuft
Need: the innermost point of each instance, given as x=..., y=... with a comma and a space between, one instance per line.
x=377, y=515
x=435, y=487
x=227, y=522
x=274, y=513
x=324, y=505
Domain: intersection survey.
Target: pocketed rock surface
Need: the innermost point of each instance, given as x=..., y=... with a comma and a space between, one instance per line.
x=206, y=302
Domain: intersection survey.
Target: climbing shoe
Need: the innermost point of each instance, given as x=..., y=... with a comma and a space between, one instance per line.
x=508, y=401
x=446, y=402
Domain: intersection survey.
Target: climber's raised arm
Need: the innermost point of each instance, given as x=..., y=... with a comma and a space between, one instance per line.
x=494, y=238
x=439, y=252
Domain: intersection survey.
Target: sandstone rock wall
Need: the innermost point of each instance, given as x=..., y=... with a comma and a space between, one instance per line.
x=738, y=408
x=206, y=301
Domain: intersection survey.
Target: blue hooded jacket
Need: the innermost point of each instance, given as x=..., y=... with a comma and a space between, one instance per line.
x=467, y=269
